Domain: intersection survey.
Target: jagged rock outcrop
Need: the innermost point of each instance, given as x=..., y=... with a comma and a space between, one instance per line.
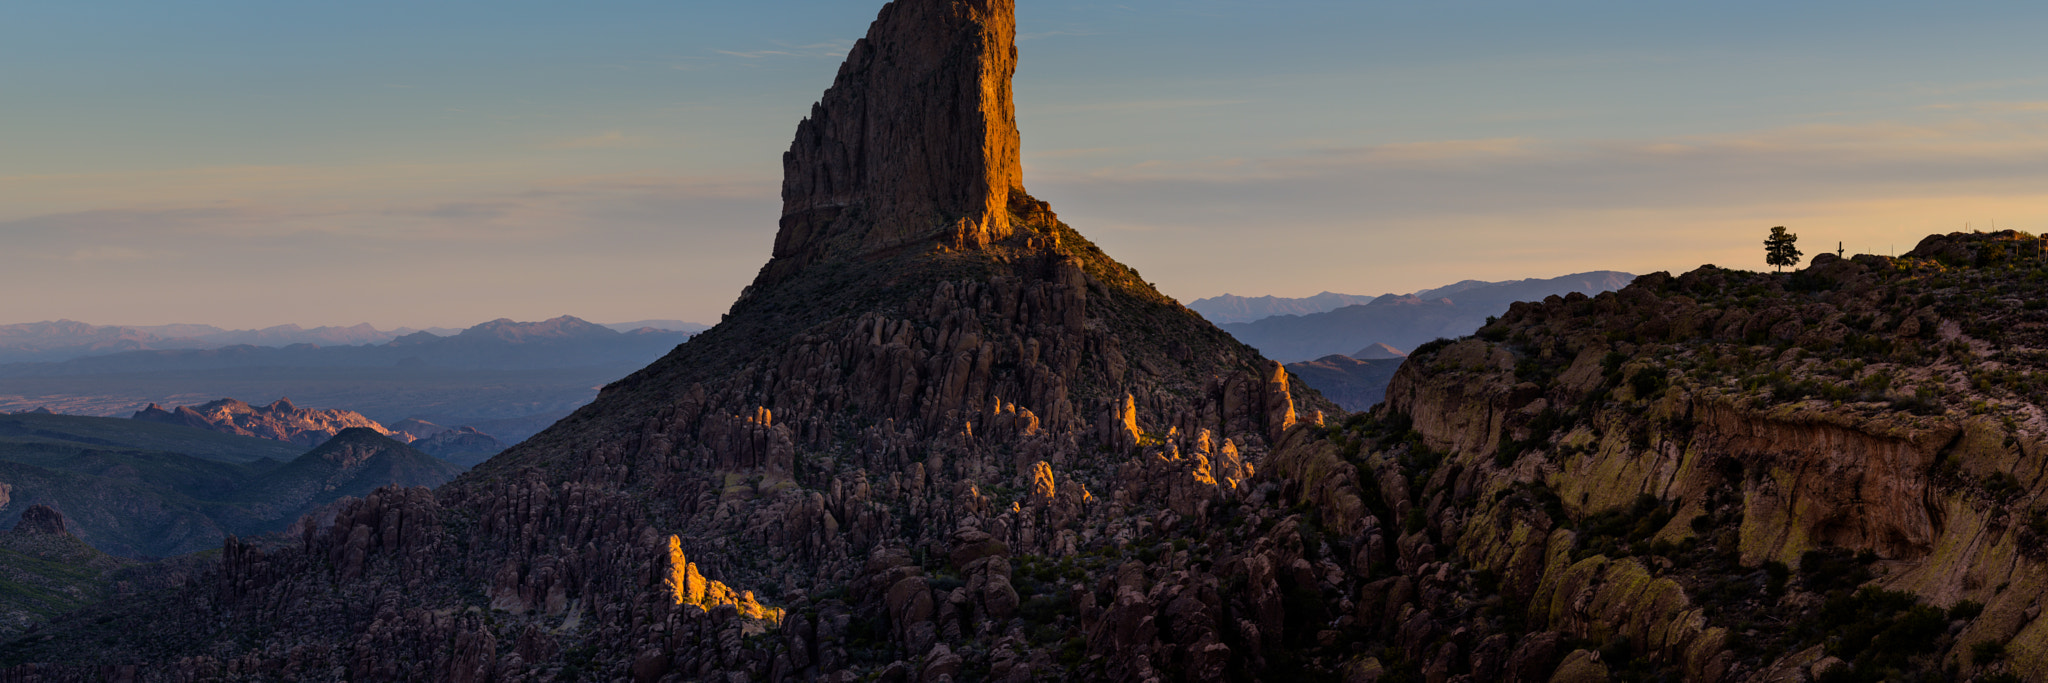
x=280, y=420
x=40, y=520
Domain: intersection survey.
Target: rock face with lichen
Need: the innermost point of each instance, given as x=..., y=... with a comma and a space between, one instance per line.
x=944, y=438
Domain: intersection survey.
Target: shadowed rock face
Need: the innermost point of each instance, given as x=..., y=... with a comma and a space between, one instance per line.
x=917, y=138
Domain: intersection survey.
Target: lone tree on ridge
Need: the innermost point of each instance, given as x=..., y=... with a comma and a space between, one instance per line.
x=1779, y=250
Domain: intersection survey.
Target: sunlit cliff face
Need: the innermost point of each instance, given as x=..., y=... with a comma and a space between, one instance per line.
x=692, y=588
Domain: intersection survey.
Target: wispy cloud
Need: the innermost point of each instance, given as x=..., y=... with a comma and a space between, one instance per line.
x=830, y=49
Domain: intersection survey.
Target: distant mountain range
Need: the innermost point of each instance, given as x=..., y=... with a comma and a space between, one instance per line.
x=62, y=340
x=1231, y=308
x=279, y=421
x=1405, y=322
x=508, y=379
x=1354, y=383
x=282, y=421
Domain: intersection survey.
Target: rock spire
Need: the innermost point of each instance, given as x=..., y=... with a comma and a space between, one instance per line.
x=916, y=139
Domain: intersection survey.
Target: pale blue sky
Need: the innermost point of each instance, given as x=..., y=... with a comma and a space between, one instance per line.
x=442, y=163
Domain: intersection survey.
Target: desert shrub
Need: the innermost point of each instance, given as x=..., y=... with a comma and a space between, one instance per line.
x=1541, y=428
x=1926, y=400
x=2002, y=486
x=1649, y=383
x=1621, y=529
x=1043, y=609
x=1830, y=569
x=1430, y=348
x=1986, y=651
x=1610, y=365
x=1778, y=575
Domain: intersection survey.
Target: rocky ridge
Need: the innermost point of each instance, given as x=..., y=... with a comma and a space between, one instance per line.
x=281, y=421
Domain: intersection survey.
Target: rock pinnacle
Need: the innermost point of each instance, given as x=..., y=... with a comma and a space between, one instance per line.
x=916, y=140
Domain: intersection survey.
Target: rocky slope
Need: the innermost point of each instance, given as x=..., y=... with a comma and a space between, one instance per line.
x=281, y=421
x=971, y=447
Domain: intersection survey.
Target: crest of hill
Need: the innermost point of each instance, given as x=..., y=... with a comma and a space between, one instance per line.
x=1379, y=352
